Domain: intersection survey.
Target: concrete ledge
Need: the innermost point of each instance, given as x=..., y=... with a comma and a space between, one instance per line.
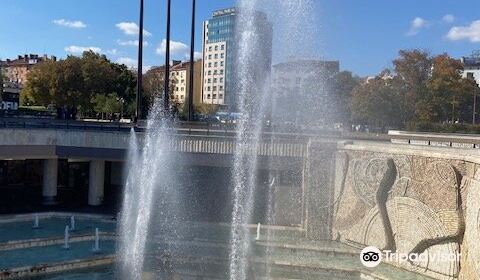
x=41, y=242
x=31, y=271
x=45, y=215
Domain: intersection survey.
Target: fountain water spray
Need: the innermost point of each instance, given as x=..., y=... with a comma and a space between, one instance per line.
x=67, y=238
x=96, y=247
x=258, y=231
x=36, y=222
x=72, y=223
x=253, y=93
x=149, y=173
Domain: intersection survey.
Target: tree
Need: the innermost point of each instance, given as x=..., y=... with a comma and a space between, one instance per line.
x=342, y=87
x=107, y=104
x=414, y=69
x=41, y=86
x=153, y=87
x=376, y=101
x=76, y=82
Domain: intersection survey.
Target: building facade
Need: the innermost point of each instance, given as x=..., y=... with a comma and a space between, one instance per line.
x=471, y=67
x=10, y=96
x=180, y=80
x=299, y=77
x=301, y=91
x=16, y=70
x=219, y=55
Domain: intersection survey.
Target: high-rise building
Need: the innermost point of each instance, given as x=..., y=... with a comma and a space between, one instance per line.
x=219, y=55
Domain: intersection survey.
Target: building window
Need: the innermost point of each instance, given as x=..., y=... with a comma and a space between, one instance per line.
x=214, y=88
x=216, y=64
x=222, y=47
x=176, y=88
x=216, y=56
x=209, y=56
x=221, y=71
x=209, y=81
x=214, y=72
x=221, y=63
x=209, y=72
x=181, y=97
x=208, y=96
x=214, y=80
x=216, y=48
x=214, y=96
x=208, y=89
x=182, y=89
x=221, y=87
x=209, y=64
x=210, y=48
x=221, y=80
x=222, y=55
x=221, y=96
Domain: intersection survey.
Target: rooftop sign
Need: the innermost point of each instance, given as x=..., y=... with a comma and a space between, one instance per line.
x=224, y=12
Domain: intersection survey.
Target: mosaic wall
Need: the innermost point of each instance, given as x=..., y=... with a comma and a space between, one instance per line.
x=410, y=204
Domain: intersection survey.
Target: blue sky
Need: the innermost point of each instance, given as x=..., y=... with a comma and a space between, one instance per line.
x=364, y=35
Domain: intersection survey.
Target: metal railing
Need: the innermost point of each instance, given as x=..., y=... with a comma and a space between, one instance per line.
x=469, y=141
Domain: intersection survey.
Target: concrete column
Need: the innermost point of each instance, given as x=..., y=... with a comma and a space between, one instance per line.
x=96, y=182
x=50, y=177
x=319, y=190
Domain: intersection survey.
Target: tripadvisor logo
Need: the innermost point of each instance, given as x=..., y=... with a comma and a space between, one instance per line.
x=371, y=256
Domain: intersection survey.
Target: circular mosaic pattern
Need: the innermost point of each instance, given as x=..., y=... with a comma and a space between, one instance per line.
x=368, y=173
x=412, y=222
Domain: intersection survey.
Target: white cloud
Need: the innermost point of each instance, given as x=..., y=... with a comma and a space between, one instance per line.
x=175, y=48
x=196, y=56
x=80, y=50
x=70, y=24
x=133, y=43
x=470, y=32
x=129, y=62
x=448, y=18
x=131, y=28
x=416, y=25
x=132, y=63
x=112, y=52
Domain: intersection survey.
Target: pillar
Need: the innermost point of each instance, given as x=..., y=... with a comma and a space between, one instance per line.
x=96, y=182
x=50, y=177
x=318, y=201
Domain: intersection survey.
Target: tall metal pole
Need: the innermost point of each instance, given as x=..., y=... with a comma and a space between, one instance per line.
x=192, y=65
x=138, y=111
x=474, y=107
x=167, y=63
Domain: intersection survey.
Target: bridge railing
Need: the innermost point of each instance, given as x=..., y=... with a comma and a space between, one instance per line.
x=182, y=128
x=466, y=141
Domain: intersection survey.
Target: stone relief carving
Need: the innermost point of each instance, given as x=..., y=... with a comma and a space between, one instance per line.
x=404, y=203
